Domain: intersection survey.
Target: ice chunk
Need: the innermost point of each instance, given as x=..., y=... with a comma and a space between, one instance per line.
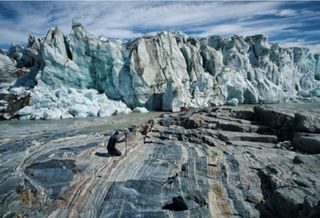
x=233, y=102
x=64, y=102
x=140, y=110
x=6, y=62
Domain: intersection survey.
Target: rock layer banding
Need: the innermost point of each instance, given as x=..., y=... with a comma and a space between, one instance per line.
x=212, y=162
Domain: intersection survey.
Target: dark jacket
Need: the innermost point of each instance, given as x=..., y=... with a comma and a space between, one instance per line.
x=112, y=142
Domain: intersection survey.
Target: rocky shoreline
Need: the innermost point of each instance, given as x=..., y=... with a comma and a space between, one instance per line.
x=210, y=162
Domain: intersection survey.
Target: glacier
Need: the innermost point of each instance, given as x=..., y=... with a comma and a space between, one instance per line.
x=79, y=75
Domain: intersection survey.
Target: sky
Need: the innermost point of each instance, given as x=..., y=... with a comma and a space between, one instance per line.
x=289, y=23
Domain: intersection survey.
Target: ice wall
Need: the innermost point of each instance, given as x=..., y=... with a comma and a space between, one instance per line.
x=170, y=70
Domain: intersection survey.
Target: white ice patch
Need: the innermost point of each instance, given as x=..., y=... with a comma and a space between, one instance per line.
x=140, y=110
x=6, y=63
x=70, y=102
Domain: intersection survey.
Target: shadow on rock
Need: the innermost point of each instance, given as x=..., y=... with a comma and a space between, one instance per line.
x=178, y=204
x=102, y=154
x=53, y=175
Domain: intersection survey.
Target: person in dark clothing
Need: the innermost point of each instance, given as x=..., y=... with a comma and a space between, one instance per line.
x=147, y=128
x=112, y=145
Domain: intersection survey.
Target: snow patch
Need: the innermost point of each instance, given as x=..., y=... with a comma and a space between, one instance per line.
x=70, y=102
x=140, y=110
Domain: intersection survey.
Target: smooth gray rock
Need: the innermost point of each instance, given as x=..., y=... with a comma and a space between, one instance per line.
x=307, y=122
x=287, y=201
x=307, y=142
x=181, y=168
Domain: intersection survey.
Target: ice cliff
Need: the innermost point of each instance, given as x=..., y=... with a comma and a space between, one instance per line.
x=165, y=71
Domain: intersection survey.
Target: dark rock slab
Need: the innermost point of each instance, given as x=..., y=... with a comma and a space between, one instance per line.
x=167, y=120
x=307, y=142
x=288, y=201
x=191, y=122
x=243, y=136
x=311, y=206
x=54, y=175
x=278, y=119
x=245, y=114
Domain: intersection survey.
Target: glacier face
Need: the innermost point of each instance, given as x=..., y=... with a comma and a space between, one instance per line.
x=165, y=71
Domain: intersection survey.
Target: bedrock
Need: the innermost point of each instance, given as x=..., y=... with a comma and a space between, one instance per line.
x=212, y=162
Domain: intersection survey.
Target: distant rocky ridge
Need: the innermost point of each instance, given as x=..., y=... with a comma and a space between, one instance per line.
x=165, y=71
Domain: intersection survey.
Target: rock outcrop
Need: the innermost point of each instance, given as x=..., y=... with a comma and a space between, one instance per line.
x=11, y=103
x=212, y=162
x=301, y=128
x=169, y=70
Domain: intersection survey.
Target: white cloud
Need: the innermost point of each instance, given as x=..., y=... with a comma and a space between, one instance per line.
x=127, y=16
x=314, y=46
x=287, y=12
x=117, y=33
x=246, y=28
x=131, y=19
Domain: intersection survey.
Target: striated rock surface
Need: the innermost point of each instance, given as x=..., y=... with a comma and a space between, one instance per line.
x=168, y=70
x=212, y=162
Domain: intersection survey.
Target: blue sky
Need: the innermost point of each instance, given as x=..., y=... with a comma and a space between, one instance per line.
x=293, y=23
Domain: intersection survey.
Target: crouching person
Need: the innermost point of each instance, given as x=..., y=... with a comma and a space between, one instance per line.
x=114, y=139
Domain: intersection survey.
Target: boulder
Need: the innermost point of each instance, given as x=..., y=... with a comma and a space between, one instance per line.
x=140, y=110
x=311, y=206
x=287, y=201
x=274, y=118
x=307, y=142
x=307, y=122
x=281, y=120
x=233, y=102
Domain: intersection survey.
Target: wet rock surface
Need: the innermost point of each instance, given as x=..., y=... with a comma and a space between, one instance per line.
x=212, y=162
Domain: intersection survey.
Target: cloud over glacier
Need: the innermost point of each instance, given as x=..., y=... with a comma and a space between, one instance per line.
x=297, y=21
